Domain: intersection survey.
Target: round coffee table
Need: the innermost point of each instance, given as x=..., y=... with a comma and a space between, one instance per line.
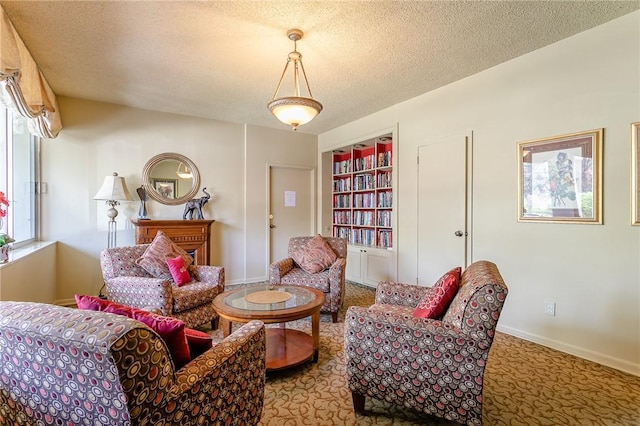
x=276, y=304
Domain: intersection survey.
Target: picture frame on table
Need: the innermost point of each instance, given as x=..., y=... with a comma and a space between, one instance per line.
x=560, y=178
x=635, y=173
x=167, y=188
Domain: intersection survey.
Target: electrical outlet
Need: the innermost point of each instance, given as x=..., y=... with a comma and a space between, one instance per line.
x=550, y=308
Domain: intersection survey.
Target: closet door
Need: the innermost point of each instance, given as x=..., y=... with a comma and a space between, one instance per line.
x=443, y=222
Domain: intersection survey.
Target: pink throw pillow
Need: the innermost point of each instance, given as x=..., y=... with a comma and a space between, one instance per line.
x=91, y=303
x=315, y=256
x=437, y=299
x=199, y=342
x=171, y=330
x=179, y=271
x=153, y=260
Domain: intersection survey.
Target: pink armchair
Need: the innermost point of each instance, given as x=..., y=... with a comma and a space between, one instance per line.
x=128, y=284
x=433, y=366
x=329, y=281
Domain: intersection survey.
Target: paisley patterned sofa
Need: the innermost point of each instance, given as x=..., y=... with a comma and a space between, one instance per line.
x=129, y=284
x=432, y=366
x=68, y=366
x=329, y=281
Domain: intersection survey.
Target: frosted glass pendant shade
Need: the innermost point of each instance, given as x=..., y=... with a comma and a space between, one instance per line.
x=295, y=111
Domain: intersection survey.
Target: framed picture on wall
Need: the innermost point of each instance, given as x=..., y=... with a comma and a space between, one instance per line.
x=635, y=173
x=560, y=179
x=167, y=188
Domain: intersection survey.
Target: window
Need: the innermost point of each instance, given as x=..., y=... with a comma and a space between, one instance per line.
x=19, y=157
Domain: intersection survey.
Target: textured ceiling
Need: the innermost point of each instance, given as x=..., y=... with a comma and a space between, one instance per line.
x=223, y=59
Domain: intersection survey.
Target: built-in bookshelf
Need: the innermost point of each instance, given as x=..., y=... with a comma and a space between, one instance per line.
x=363, y=193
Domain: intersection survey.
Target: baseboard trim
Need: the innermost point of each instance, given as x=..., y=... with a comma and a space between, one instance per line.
x=69, y=303
x=247, y=281
x=363, y=285
x=600, y=358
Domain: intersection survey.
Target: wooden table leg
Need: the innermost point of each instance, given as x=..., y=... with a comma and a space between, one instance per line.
x=315, y=333
x=226, y=327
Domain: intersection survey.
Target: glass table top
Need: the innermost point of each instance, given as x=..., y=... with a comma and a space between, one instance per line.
x=299, y=297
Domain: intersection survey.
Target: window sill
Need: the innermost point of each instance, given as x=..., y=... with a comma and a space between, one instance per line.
x=20, y=253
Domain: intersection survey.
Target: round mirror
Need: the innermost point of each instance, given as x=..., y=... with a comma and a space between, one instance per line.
x=171, y=178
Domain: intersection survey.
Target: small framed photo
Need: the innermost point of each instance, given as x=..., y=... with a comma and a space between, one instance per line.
x=635, y=173
x=560, y=179
x=167, y=188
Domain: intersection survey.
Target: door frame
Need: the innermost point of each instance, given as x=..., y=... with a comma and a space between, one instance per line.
x=314, y=203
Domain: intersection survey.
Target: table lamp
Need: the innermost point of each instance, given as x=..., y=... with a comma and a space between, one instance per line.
x=113, y=190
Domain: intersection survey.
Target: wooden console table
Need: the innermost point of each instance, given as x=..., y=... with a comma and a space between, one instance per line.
x=190, y=235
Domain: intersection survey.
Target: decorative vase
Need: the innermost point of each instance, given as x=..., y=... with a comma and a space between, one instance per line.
x=142, y=213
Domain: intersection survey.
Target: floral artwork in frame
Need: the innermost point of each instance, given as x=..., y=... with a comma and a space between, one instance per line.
x=635, y=173
x=560, y=179
x=166, y=187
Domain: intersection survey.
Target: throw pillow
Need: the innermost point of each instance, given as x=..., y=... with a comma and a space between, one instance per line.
x=437, y=299
x=315, y=256
x=153, y=260
x=199, y=342
x=91, y=303
x=171, y=330
x=178, y=270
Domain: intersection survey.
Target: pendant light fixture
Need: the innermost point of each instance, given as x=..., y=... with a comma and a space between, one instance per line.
x=294, y=110
x=184, y=172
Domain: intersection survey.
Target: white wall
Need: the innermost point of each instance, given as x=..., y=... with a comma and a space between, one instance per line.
x=98, y=139
x=592, y=272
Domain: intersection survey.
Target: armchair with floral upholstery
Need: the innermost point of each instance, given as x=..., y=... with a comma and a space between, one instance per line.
x=77, y=367
x=329, y=280
x=435, y=366
x=127, y=283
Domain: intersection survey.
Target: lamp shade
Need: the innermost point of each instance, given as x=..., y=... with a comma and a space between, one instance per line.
x=295, y=111
x=113, y=188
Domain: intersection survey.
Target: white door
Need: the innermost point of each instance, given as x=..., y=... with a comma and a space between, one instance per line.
x=291, y=207
x=442, y=208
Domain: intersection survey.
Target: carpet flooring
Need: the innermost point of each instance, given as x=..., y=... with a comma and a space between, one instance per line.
x=525, y=384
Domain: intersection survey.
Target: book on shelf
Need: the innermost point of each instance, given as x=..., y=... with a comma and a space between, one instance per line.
x=364, y=163
x=363, y=218
x=342, y=185
x=384, y=239
x=384, y=159
x=384, y=218
x=364, y=181
x=384, y=179
x=342, y=201
x=366, y=200
x=341, y=167
x=385, y=199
